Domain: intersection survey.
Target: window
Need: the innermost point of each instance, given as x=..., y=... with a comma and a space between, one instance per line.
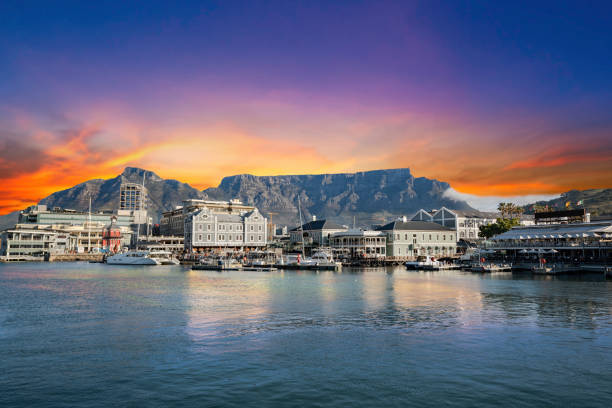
x=260, y=227
x=208, y=237
x=230, y=227
x=251, y=228
x=200, y=237
x=252, y=238
x=200, y=227
x=430, y=237
x=208, y=227
x=259, y=237
x=406, y=237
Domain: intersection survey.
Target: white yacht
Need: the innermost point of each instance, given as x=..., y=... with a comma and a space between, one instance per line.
x=132, y=258
x=422, y=262
x=164, y=257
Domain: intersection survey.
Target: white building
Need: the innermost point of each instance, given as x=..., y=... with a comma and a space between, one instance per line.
x=358, y=244
x=206, y=230
x=32, y=243
x=173, y=222
x=466, y=223
x=406, y=239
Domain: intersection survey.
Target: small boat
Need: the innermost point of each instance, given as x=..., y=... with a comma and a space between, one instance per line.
x=320, y=260
x=132, y=258
x=164, y=257
x=424, y=263
x=218, y=265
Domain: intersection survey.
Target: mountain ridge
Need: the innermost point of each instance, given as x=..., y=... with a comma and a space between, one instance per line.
x=366, y=196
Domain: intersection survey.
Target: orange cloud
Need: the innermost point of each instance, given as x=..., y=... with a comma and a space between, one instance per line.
x=36, y=160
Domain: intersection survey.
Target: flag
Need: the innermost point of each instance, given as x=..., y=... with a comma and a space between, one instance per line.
x=567, y=204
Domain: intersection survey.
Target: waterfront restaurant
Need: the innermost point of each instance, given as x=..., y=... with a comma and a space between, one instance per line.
x=358, y=244
x=579, y=242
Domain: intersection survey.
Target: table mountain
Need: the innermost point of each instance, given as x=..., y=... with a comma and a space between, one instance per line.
x=369, y=197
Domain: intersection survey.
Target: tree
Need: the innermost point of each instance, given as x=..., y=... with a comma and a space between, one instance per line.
x=510, y=217
x=498, y=227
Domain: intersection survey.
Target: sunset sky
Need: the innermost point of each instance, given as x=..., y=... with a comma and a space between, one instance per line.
x=496, y=99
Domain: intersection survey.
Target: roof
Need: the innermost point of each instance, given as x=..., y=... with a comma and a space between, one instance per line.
x=556, y=231
x=413, y=226
x=358, y=233
x=319, y=225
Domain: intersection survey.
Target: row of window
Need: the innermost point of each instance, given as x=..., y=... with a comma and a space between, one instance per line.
x=399, y=237
x=222, y=227
x=230, y=237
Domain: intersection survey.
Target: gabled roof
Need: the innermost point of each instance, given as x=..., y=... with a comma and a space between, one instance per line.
x=319, y=225
x=413, y=226
x=469, y=213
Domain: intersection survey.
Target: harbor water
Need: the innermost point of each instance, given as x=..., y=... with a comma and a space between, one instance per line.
x=94, y=335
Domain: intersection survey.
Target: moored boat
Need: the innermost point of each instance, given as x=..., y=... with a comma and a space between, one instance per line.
x=132, y=258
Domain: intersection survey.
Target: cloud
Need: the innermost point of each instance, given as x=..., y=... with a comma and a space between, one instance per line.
x=489, y=203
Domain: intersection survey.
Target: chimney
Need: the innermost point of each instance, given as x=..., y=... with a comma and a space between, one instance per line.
x=404, y=219
x=314, y=217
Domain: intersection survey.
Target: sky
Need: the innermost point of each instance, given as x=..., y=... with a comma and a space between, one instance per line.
x=499, y=99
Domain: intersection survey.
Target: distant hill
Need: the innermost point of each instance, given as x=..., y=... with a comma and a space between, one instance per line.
x=368, y=197
x=598, y=202
x=163, y=194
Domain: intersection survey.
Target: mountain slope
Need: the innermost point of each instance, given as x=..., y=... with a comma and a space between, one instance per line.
x=163, y=194
x=370, y=197
x=596, y=201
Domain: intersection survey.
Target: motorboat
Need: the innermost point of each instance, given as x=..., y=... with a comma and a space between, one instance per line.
x=218, y=265
x=164, y=257
x=424, y=262
x=320, y=260
x=132, y=258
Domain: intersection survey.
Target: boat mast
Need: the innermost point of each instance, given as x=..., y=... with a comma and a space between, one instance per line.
x=89, y=226
x=301, y=226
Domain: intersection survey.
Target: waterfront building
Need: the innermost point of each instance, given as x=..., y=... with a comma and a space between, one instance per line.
x=584, y=242
x=315, y=232
x=358, y=244
x=414, y=238
x=173, y=222
x=169, y=243
x=39, y=214
x=466, y=223
x=32, y=243
x=207, y=229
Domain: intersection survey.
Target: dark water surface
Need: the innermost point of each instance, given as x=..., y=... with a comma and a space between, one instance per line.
x=82, y=335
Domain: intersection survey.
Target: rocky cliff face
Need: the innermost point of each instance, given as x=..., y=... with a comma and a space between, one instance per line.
x=368, y=197
x=163, y=194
